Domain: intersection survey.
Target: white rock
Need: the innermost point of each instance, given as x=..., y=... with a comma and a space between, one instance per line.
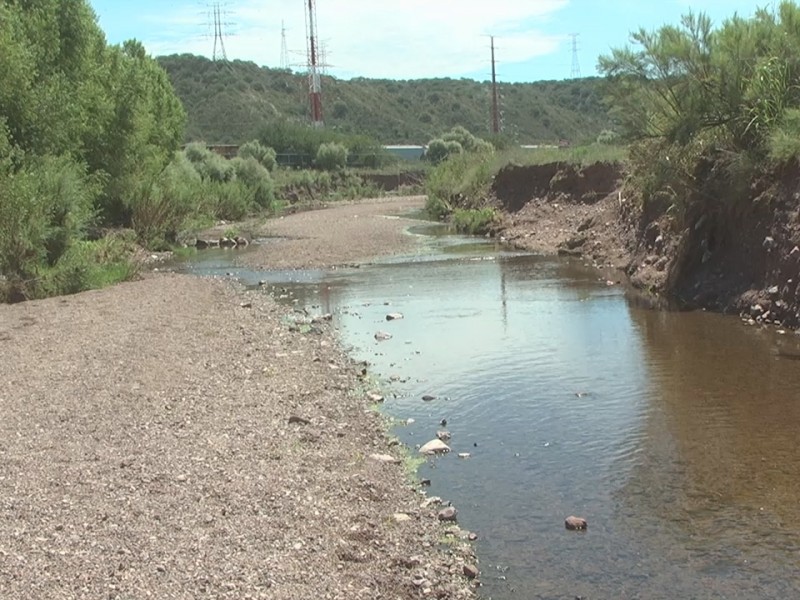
x=394, y=316
x=385, y=458
x=436, y=446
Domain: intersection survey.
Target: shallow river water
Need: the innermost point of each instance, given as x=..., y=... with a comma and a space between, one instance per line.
x=674, y=434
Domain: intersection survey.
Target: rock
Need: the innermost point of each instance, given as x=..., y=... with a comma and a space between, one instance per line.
x=471, y=571
x=756, y=310
x=425, y=482
x=401, y=518
x=443, y=435
x=322, y=318
x=773, y=291
x=464, y=455
x=394, y=317
x=769, y=243
x=201, y=244
x=226, y=242
x=575, y=523
x=472, y=537
x=575, y=242
x=431, y=501
x=448, y=514
x=435, y=447
x=428, y=397
x=385, y=458
x=443, y=422
x=241, y=241
x=246, y=305
x=586, y=224
x=382, y=336
x=374, y=397
x=299, y=420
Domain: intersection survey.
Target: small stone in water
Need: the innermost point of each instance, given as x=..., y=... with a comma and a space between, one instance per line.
x=575, y=523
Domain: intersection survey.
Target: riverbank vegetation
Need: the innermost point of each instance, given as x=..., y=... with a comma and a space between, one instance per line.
x=91, y=165
x=459, y=185
x=692, y=98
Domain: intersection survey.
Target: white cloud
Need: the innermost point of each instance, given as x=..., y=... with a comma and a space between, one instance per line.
x=373, y=38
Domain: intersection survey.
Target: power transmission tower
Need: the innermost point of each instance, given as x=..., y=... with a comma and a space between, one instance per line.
x=576, y=67
x=495, y=102
x=216, y=14
x=284, y=49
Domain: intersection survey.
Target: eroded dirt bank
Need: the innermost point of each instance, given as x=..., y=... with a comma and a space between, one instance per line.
x=176, y=438
x=724, y=253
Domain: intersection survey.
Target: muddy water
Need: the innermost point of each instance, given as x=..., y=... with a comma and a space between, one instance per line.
x=674, y=434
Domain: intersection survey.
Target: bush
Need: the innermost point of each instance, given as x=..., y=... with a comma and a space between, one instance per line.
x=262, y=154
x=331, y=157
x=229, y=201
x=46, y=207
x=473, y=221
x=607, y=136
x=784, y=141
x=437, y=151
x=256, y=177
x=160, y=210
x=460, y=182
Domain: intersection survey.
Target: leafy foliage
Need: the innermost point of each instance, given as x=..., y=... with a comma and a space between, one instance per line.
x=331, y=157
x=690, y=93
x=227, y=101
x=85, y=130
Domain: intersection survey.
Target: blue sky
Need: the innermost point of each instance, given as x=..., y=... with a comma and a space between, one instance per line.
x=404, y=39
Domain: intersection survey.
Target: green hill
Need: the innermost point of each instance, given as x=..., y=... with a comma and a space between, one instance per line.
x=227, y=102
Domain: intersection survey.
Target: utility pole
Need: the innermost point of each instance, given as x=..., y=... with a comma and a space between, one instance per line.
x=495, y=103
x=576, y=68
x=284, y=48
x=314, y=81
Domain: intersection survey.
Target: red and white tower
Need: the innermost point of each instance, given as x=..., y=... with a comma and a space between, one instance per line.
x=314, y=82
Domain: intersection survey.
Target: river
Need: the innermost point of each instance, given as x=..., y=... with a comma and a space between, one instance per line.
x=674, y=434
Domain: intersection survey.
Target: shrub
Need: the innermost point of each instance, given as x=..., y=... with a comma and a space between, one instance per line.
x=460, y=182
x=331, y=157
x=46, y=207
x=230, y=201
x=160, y=209
x=607, y=136
x=473, y=221
x=256, y=177
x=784, y=141
x=262, y=154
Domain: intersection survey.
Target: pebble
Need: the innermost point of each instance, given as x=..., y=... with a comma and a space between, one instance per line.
x=470, y=571
x=436, y=446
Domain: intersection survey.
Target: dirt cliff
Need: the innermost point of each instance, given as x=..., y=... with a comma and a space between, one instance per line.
x=723, y=249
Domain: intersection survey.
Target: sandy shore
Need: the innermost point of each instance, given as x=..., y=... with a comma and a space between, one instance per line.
x=175, y=438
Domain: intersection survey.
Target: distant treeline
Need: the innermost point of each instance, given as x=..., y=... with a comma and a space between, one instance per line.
x=227, y=102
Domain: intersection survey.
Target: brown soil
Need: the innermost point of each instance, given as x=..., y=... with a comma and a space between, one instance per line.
x=559, y=209
x=175, y=438
x=733, y=251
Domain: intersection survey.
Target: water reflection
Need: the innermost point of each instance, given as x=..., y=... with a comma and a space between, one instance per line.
x=673, y=433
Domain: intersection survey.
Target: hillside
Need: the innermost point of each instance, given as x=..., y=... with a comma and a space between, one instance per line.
x=226, y=102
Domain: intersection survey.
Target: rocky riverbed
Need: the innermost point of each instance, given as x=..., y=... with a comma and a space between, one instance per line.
x=177, y=437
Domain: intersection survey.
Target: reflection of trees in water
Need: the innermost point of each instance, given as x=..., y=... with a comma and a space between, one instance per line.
x=718, y=470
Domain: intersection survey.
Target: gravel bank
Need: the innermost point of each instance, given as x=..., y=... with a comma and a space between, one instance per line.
x=348, y=233
x=174, y=438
